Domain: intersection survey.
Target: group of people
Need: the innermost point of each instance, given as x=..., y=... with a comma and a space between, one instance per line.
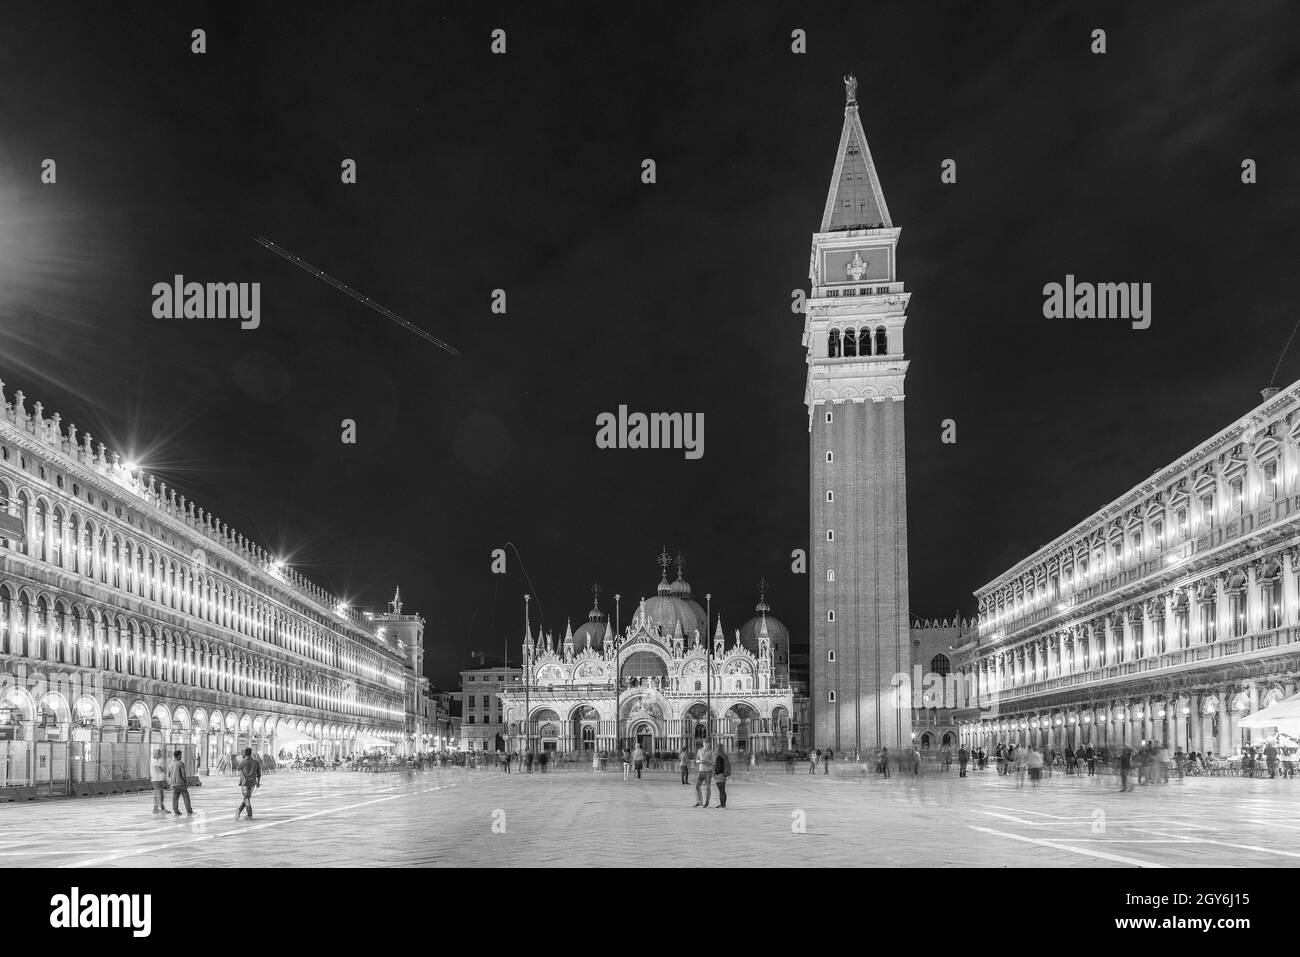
x=173, y=775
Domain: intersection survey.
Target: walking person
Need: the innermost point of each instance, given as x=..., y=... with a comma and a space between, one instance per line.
x=704, y=759
x=722, y=774
x=684, y=760
x=627, y=764
x=506, y=764
x=884, y=761
x=826, y=761
x=638, y=760
x=1125, y=765
x=250, y=777
x=158, y=778
x=813, y=756
x=1034, y=761
x=179, y=780
x=1090, y=755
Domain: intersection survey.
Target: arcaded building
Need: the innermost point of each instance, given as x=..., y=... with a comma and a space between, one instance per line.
x=129, y=614
x=1167, y=615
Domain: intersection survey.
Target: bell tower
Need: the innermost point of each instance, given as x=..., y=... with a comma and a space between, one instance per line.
x=853, y=331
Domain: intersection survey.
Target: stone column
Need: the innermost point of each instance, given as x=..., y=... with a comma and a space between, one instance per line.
x=1254, y=605
x=1289, y=604
x=1224, y=736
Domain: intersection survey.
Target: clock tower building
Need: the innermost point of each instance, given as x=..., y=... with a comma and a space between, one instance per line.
x=853, y=331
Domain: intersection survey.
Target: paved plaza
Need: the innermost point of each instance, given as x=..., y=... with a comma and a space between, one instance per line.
x=482, y=817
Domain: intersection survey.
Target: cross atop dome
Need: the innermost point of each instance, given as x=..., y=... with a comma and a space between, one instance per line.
x=396, y=603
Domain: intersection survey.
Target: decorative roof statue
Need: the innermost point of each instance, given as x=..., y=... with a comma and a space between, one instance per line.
x=850, y=90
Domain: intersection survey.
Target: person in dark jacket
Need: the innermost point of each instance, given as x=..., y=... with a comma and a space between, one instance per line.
x=721, y=775
x=179, y=780
x=1125, y=765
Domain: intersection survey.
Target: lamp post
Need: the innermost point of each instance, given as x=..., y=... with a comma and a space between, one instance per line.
x=618, y=678
x=708, y=670
x=528, y=713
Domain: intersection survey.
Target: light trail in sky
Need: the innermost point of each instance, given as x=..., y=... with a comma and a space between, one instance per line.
x=364, y=300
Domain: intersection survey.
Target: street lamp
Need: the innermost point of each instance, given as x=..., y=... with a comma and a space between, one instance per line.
x=618, y=673
x=528, y=716
x=708, y=670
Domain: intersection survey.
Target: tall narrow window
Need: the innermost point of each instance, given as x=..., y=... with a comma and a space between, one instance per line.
x=830, y=656
x=830, y=456
x=829, y=418
x=830, y=574
x=1270, y=481
x=830, y=535
x=1273, y=602
x=882, y=341
x=850, y=343
x=833, y=349
x=864, y=342
x=830, y=496
x=830, y=616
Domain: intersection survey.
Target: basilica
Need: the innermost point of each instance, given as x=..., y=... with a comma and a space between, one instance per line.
x=660, y=683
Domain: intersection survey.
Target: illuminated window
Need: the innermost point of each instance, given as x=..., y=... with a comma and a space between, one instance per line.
x=831, y=697
x=830, y=535
x=830, y=616
x=830, y=656
x=830, y=456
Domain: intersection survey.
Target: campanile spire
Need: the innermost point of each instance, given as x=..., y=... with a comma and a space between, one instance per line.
x=855, y=199
x=853, y=333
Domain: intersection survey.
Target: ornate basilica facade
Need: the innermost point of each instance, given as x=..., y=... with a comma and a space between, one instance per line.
x=1168, y=615
x=661, y=683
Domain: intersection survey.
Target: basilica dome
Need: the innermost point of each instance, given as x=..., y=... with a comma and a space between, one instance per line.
x=672, y=604
x=594, y=627
x=776, y=631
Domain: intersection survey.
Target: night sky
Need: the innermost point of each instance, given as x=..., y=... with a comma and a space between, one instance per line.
x=522, y=172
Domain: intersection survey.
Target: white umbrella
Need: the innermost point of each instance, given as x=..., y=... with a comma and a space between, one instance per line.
x=1284, y=714
x=289, y=737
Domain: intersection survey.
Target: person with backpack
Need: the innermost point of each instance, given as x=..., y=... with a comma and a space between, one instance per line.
x=179, y=781
x=721, y=774
x=250, y=777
